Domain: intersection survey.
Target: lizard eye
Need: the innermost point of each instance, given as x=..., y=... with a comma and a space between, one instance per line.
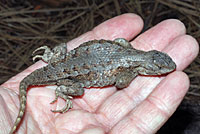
x=160, y=59
x=158, y=63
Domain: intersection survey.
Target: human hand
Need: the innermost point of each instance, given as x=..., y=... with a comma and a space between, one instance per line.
x=143, y=107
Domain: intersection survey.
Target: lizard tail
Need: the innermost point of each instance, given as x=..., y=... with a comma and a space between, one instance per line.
x=23, y=89
x=35, y=78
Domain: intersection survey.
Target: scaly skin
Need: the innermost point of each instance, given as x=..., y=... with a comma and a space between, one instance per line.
x=96, y=63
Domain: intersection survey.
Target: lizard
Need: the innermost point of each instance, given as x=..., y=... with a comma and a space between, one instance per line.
x=96, y=63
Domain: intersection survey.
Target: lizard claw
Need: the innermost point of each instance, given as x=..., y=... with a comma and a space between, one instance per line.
x=54, y=100
x=37, y=56
x=67, y=98
x=67, y=106
x=46, y=56
x=40, y=48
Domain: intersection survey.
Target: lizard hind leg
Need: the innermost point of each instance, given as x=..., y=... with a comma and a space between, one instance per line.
x=67, y=98
x=57, y=53
x=46, y=56
x=66, y=92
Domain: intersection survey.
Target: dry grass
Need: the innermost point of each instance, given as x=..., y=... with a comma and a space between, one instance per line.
x=24, y=26
x=28, y=25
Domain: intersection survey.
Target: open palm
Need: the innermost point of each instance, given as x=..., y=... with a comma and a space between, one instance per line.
x=143, y=107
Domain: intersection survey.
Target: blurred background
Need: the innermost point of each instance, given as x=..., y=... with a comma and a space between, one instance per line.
x=27, y=25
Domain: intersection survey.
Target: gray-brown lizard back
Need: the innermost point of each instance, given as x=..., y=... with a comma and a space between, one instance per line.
x=96, y=63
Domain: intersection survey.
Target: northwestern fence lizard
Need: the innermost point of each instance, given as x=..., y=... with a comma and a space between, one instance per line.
x=96, y=63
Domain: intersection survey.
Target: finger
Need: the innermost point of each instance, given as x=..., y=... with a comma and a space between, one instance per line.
x=160, y=35
x=183, y=50
x=124, y=26
x=150, y=115
x=122, y=102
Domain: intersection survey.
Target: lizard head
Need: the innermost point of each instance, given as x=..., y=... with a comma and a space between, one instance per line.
x=156, y=63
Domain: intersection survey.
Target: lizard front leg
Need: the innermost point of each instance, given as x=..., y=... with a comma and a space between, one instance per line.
x=123, y=42
x=123, y=79
x=56, y=54
x=65, y=90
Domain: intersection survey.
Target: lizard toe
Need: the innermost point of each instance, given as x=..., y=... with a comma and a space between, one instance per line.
x=46, y=56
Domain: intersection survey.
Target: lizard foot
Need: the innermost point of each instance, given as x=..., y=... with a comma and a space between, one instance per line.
x=67, y=98
x=56, y=54
x=46, y=56
x=123, y=42
x=65, y=108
